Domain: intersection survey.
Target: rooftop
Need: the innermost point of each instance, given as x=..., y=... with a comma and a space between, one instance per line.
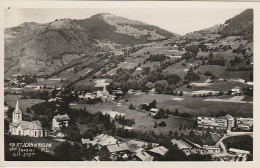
x=161, y=150
x=117, y=147
x=33, y=125
x=60, y=118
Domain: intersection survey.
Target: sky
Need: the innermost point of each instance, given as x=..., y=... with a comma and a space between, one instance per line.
x=180, y=21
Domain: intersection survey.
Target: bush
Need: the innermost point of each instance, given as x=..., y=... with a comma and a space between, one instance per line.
x=162, y=124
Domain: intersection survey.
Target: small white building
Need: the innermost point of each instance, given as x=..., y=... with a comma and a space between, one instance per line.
x=6, y=108
x=153, y=111
x=60, y=121
x=152, y=91
x=238, y=151
x=236, y=91
x=89, y=96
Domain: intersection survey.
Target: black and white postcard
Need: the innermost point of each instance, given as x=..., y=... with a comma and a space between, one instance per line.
x=154, y=83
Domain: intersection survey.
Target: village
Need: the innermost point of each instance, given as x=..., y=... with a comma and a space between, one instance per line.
x=175, y=98
x=136, y=149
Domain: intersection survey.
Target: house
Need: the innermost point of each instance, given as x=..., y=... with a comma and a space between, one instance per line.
x=236, y=91
x=130, y=91
x=88, y=142
x=136, y=144
x=118, y=147
x=152, y=91
x=89, y=96
x=81, y=97
x=215, y=123
x=158, y=152
x=138, y=92
x=60, y=121
x=210, y=150
x=238, y=151
x=141, y=155
x=230, y=121
x=24, y=128
x=118, y=92
x=244, y=123
x=101, y=140
x=118, y=150
x=104, y=92
x=186, y=148
x=153, y=111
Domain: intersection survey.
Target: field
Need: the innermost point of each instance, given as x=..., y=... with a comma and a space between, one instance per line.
x=127, y=64
x=195, y=106
x=223, y=86
x=143, y=122
x=23, y=103
x=49, y=82
x=78, y=74
x=87, y=84
x=178, y=69
x=236, y=75
x=216, y=70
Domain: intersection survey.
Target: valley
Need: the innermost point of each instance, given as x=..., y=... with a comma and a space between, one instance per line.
x=133, y=81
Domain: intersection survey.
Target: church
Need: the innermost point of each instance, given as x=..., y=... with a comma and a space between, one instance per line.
x=24, y=128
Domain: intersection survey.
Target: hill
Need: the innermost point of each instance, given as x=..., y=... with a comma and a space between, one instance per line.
x=240, y=25
x=33, y=48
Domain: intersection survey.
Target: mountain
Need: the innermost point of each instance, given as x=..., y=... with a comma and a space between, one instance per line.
x=240, y=25
x=33, y=47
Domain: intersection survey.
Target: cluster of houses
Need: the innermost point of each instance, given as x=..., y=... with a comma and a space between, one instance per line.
x=139, y=92
x=133, y=150
x=189, y=147
x=225, y=123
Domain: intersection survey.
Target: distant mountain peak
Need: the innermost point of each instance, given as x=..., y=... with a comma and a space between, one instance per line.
x=106, y=15
x=114, y=19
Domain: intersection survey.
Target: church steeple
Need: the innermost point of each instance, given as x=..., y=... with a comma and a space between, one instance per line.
x=17, y=113
x=17, y=109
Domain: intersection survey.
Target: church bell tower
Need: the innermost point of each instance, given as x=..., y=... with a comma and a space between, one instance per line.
x=17, y=113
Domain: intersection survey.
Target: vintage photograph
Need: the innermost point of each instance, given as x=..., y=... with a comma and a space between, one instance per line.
x=128, y=84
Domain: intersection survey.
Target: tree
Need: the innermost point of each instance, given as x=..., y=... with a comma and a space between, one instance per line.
x=162, y=124
x=89, y=151
x=72, y=132
x=104, y=154
x=131, y=107
x=170, y=133
x=174, y=154
x=9, y=112
x=152, y=104
x=28, y=110
x=181, y=93
x=191, y=76
x=211, y=55
x=175, y=134
x=155, y=124
x=208, y=73
x=68, y=152
x=6, y=126
x=180, y=127
x=88, y=135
